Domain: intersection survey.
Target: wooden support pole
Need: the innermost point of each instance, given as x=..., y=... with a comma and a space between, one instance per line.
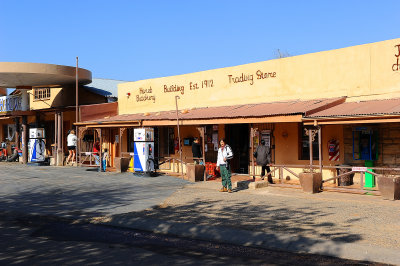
x=310, y=148
x=253, y=167
x=320, y=149
x=24, y=140
x=17, y=133
x=55, y=139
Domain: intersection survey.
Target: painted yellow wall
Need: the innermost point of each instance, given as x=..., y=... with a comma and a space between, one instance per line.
x=56, y=99
x=359, y=72
x=65, y=97
x=287, y=148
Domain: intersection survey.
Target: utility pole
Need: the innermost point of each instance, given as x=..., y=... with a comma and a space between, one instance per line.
x=77, y=148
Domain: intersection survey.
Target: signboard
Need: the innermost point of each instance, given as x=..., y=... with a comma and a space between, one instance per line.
x=359, y=169
x=266, y=136
x=10, y=103
x=143, y=134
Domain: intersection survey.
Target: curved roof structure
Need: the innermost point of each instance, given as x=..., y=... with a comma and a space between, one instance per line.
x=18, y=74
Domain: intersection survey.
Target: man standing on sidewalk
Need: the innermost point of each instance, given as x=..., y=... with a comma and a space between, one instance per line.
x=196, y=151
x=225, y=153
x=263, y=158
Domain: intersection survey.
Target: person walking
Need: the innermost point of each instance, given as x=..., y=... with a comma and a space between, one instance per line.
x=225, y=153
x=196, y=151
x=263, y=158
x=71, y=145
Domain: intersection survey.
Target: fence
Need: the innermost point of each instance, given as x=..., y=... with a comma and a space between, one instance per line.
x=341, y=173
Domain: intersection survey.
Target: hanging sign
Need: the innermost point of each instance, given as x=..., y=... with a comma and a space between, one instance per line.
x=10, y=103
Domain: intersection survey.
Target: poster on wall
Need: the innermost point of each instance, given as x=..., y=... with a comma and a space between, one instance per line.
x=215, y=140
x=256, y=139
x=11, y=132
x=266, y=136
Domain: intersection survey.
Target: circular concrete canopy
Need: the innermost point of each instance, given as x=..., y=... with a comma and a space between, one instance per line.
x=18, y=74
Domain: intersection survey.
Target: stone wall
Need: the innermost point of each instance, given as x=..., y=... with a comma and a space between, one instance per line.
x=388, y=145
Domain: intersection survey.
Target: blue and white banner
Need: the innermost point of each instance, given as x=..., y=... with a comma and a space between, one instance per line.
x=10, y=103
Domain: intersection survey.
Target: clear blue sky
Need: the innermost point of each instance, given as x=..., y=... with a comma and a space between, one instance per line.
x=134, y=40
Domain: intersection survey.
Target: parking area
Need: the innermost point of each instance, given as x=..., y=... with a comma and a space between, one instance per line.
x=78, y=192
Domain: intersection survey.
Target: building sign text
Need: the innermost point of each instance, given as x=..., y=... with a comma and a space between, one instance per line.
x=396, y=66
x=10, y=103
x=250, y=77
x=144, y=95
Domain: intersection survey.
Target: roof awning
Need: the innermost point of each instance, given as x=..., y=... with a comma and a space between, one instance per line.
x=274, y=112
x=374, y=111
x=108, y=123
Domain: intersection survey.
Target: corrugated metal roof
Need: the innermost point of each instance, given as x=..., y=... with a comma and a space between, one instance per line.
x=105, y=87
x=237, y=111
x=364, y=108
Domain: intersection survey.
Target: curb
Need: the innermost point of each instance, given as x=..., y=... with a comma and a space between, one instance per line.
x=278, y=241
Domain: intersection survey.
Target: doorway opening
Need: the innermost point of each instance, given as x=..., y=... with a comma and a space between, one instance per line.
x=237, y=136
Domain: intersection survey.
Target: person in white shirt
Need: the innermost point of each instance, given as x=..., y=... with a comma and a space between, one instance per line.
x=71, y=145
x=225, y=153
x=105, y=160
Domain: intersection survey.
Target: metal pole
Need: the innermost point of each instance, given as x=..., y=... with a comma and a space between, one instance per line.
x=179, y=134
x=77, y=148
x=76, y=92
x=310, y=148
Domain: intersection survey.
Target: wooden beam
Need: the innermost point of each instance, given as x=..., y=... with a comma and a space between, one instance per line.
x=113, y=125
x=248, y=120
x=351, y=121
x=106, y=123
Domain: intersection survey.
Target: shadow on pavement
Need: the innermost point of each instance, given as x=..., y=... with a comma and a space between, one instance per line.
x=247, y=224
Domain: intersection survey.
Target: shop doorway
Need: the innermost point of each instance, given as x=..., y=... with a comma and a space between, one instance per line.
x=238, y=137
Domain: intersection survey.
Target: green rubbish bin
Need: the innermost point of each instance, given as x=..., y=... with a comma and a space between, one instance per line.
x=369, y=178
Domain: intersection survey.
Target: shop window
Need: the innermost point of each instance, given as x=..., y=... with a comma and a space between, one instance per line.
x=41, y=93
x=365, y=143
x=304, y=149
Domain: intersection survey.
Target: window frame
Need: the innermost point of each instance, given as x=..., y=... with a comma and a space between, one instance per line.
x=40, y=94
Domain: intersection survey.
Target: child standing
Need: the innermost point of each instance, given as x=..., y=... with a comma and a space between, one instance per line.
x=104, y=160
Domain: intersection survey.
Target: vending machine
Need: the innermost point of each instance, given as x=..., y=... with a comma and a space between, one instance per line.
x=143, y=149
x=37, y=146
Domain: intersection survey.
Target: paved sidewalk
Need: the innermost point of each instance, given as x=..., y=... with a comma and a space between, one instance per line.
x=349, y=226
x=342, y=225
